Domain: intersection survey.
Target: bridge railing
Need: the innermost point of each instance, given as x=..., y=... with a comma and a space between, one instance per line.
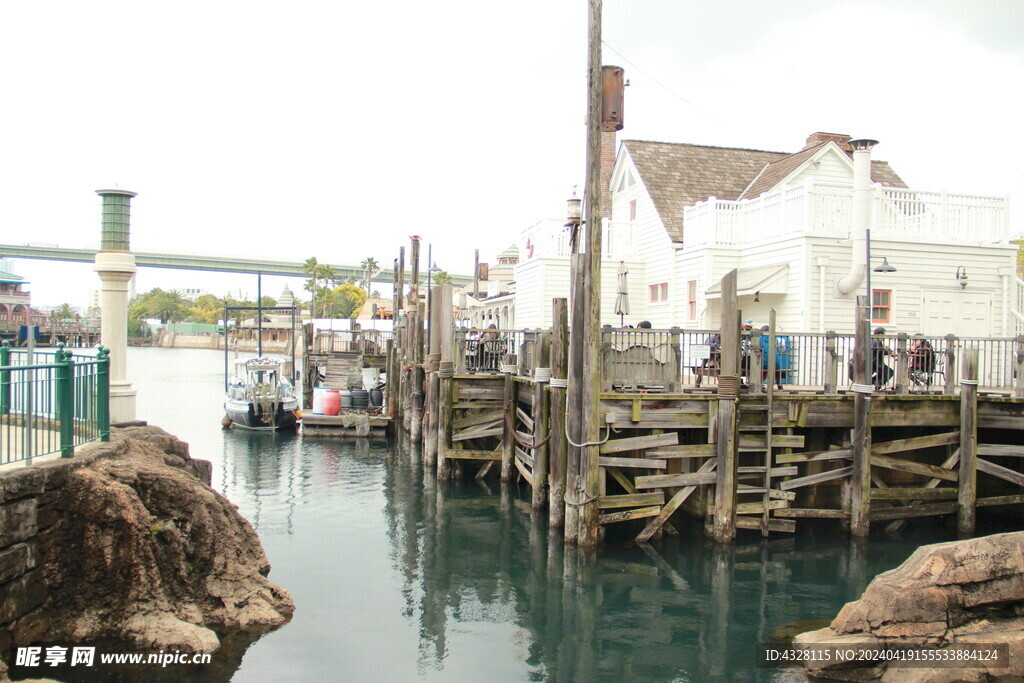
x=54, y=403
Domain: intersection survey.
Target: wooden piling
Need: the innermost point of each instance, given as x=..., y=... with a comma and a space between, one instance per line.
x=860, y=483
x=557, y=446
x=831, y=370
x=1018, y=368
x=902, y=364
x=541, y=424
x=727, y=449
x=508, y=442
x=446, y=372
x=968, y=476
x=416, y=377
x=431, y=367
x=574, y=411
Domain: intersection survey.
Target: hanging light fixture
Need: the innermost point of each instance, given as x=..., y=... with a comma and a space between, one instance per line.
x=961, y=276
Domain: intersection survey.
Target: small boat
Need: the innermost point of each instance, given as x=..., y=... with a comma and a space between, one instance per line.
x=261, y=397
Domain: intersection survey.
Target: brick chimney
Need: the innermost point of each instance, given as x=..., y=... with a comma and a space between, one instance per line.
x=607, y=163
x=840, y=139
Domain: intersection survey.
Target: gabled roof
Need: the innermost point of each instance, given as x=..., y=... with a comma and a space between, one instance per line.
x=776, y=172
x=678, y=175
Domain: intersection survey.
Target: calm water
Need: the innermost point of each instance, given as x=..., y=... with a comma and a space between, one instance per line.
x=397, y=578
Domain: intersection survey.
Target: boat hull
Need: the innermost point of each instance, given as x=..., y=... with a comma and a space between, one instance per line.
x=245, y=417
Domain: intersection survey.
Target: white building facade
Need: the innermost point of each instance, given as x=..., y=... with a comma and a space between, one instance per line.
x=682, y=216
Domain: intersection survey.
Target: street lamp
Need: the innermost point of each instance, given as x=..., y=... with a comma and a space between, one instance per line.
x=883, y=267
x=961, y=276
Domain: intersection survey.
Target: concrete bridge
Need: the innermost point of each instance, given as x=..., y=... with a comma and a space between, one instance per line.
x=220, y=264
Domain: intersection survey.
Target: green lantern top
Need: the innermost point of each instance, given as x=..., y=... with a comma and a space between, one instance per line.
x=116, y=219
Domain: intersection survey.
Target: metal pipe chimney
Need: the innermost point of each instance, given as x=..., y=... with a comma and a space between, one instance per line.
x=861, y=215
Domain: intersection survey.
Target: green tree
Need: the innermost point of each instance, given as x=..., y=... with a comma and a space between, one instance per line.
x=347, y=300
x=62, y=312
x=442, y=277
x=312, y=268
x=370, y=268
x=1019, y=242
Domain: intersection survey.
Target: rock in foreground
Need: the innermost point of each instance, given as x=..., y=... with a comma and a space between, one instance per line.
x=962, y=592
x=141, y=549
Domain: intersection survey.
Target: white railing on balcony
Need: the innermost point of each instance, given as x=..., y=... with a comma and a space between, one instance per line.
x=827, y=209
x=549, y=239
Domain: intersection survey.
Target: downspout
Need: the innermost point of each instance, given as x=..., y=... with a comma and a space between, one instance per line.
x=822, y=262
x=861, y=215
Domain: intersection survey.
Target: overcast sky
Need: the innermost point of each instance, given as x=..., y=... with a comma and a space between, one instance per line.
x=338, y=129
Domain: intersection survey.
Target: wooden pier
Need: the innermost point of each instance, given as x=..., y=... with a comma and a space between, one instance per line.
x=722, y=444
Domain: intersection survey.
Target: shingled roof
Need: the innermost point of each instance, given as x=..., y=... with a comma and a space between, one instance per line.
x=678, y=175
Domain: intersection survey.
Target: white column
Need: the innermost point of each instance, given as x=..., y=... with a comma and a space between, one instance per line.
x=116, y=269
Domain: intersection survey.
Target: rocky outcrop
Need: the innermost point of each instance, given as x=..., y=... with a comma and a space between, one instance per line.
x=141, y=549
x=962, y=592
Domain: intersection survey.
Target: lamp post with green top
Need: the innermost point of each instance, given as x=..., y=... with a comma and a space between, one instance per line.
x=115, y=265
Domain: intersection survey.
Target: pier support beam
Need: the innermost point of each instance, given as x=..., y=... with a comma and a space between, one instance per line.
x=541, y=423
x=968, y=476
x=723, y=527
x=443, y=300
x=557, y=446
x=860, y=484
x=115, y=266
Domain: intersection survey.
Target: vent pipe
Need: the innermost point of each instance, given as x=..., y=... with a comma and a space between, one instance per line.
x=861, y=214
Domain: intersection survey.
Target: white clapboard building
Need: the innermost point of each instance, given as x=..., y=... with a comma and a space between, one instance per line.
x=682, y=216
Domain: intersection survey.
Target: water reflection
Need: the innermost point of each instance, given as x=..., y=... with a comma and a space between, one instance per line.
x=684, y=609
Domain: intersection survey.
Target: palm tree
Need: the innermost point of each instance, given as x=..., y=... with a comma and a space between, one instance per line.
x=371, y=268
x=311, y=268
x=62, y=312
x=168, y=306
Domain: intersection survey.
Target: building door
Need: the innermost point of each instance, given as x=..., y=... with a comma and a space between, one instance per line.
x=960, y=312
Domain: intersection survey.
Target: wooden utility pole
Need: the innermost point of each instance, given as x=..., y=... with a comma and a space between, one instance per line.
x=590, y=397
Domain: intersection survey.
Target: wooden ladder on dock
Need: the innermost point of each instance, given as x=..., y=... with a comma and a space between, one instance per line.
x=757, y=494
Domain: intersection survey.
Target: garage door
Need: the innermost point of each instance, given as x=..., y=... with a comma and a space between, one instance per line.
x=960, y=312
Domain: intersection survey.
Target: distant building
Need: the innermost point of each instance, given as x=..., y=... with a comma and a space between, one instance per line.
x=16, y=301
x=495, y=300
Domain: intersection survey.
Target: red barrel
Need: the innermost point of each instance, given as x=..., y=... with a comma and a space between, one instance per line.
x=332, y=402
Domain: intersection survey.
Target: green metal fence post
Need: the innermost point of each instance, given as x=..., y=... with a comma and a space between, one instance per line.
x=65, y=396
x=5, y=378
x=103, y=393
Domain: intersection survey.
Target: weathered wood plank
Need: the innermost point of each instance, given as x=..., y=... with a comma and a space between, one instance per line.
x=784, y=525
x=524, y=456
x=623, y=480
x=478, y=432
x=488, y=393
x=1003, y=450
x=921, y=468
x=523, y=471
x=476, y=405
x=631, y=500
x=700, y=450
x=638, y=513
x=818, y=456
x=1000, y=500
x=690, y=422
x=907, y=511
x=813, y=513
x=673, y=504
x=818, y=478
x=757, y=508
x=665, y=480
x=915, y=443
x=635, y=443
x=471, y=455
x=524, y=418
x=481, y=418
x=913, y=493
x=786, y=471
x=1004, y=473
x=639, y=463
